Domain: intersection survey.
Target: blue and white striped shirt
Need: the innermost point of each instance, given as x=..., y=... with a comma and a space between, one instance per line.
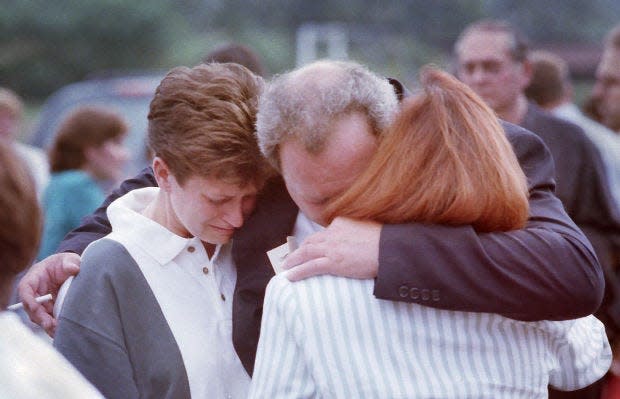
x=329, y=337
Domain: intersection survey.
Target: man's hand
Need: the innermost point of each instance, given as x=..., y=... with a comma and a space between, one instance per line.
x=46, y=277
x=347, y=248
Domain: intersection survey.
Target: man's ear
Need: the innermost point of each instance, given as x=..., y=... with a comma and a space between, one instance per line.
x=162, y=173
x=90, y=153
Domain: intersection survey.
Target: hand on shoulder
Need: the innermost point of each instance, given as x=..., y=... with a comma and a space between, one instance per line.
x=43, y=278
x=346, y=248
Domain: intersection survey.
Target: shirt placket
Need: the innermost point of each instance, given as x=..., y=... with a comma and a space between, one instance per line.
x=210, y=276
x=203, y=270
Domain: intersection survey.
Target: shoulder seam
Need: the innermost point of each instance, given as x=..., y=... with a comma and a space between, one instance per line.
x=97, y=333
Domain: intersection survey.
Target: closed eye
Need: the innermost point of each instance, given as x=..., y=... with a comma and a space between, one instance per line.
x=321, y=201
x=218, y=201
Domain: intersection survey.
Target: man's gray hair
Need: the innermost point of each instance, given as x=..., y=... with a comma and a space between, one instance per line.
x=303, y=103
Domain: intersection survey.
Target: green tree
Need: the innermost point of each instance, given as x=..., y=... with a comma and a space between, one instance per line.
x=47, y=44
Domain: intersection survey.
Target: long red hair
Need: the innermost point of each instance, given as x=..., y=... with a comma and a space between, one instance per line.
x=445, y=160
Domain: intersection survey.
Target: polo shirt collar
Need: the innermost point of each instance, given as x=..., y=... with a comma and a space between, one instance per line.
x=156, y=240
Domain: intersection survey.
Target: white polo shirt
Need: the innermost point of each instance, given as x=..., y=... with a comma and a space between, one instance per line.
x=194, y=292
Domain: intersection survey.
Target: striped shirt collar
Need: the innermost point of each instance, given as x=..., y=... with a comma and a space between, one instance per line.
x=304, y=227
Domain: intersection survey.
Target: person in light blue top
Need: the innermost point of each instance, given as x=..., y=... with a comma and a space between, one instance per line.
x=71, y=195
x=87, y=150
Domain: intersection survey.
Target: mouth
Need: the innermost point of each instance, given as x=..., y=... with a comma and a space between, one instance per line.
x=224, y=230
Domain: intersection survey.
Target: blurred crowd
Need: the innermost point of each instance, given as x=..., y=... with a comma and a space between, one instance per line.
x=47, y=193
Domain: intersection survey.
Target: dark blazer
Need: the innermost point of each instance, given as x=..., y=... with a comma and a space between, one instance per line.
x=583, y=188
x=581, y=182
x=548, y=270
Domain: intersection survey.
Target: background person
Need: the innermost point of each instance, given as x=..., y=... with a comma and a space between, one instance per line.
x=492, y=58
x=11, y=116
x=29, y=367
x=150, y=314
x=239, y=54
x=331, y=338
x=606, y=90
x=551, y=88
x=87, y=150
x=11, y=119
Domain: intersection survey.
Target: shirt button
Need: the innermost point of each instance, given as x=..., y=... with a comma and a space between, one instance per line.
x=223, y=297
x=205, y=270
x=191, y=249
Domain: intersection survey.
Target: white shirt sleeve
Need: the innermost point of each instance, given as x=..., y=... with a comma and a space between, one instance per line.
x=281, y=369
x=582, y=354
x=31, y=368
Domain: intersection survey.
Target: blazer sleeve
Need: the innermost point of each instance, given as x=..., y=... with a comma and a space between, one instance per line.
x=281, y=343
x=547, y=270
x=97, y=225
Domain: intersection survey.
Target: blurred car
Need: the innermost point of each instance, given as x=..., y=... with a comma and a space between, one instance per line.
x=130, y=96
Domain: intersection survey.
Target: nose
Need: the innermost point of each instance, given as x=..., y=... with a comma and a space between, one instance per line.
x=234, y=215
x=470, y=75
x=477, y=75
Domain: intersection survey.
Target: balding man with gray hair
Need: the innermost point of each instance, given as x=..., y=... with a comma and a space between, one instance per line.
x=319, y=125
x=315, y=110
x=303, y=104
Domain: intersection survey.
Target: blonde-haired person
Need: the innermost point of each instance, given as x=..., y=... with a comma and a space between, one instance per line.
x=445, y=160
x=87, y=152
x=11, y=118
x=29, y=367
x=150, y=313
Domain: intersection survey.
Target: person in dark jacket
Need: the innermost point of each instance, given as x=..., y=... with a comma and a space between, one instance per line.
x=492, y=58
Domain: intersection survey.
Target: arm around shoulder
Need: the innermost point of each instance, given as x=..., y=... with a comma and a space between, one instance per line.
x=50, y=273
